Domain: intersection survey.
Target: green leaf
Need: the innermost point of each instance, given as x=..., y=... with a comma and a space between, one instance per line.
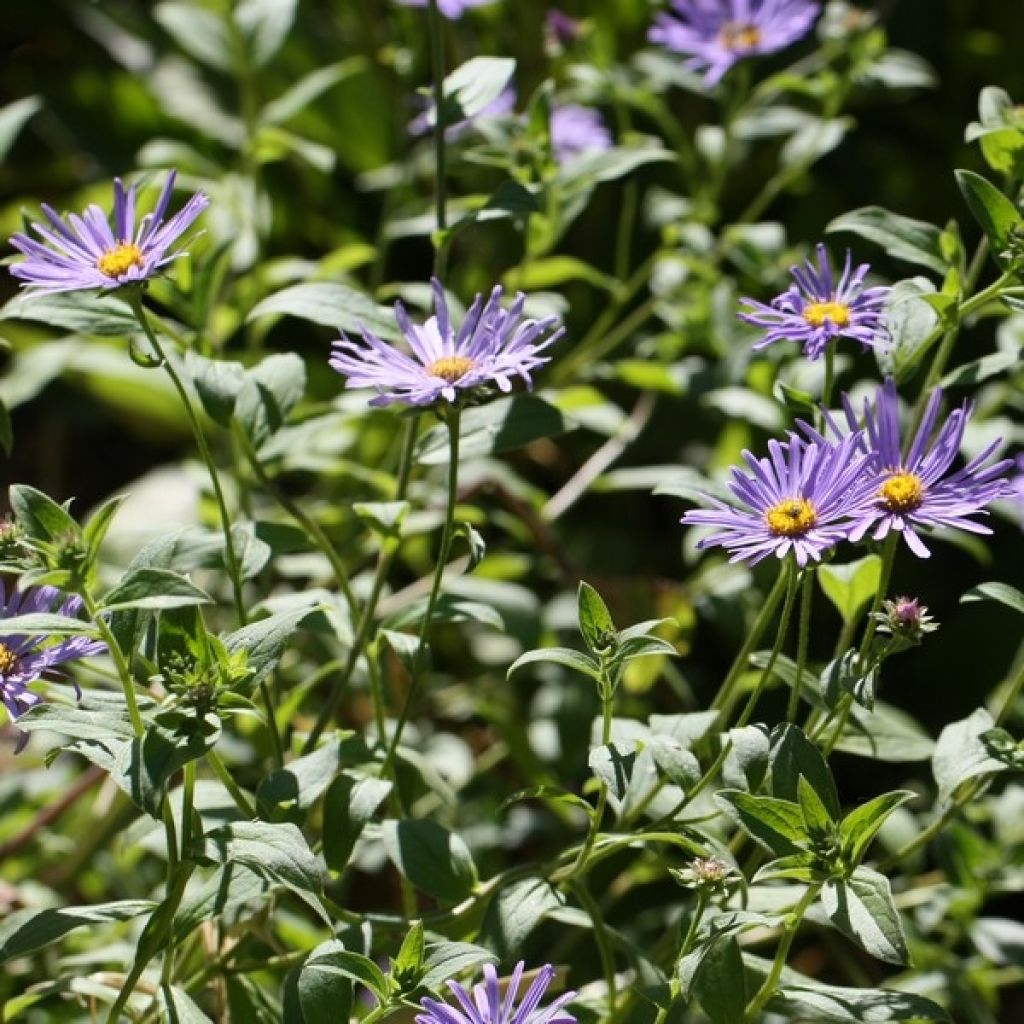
x=911, y=323
x=351, y=802
x=408, y=965
x=816, y=817
x=265, y=25
x=564, y=656
x=276, y=851
x=265, y=641
x=498, y=426
x=776, y=824
x=270, y=392
x=23, y=931
x=553, y=271
x=448, y=608
x=1001, y=592
x=614, y=764
x=201, y=33
x=795, y=756
x=861, y=907
x=961, y=753
x=154, y=590
x=851, y=587
x=13, y=117
x=473, y=86
x=39, y=515
x=748, y=759
x=514, y=912
x=998, y=217
x=299, y=784
x=81, y=313
x=435, y=860
x=913, y=241
x=338, y=961
x=6, y=430
x=446, y=959
x=861, y=825
x=45, y=623
x=595, y=620
x=329, y=305
x=230, y=887
x=383, y=517
x=177, y=1007
x=308, y=88
x=801, y=867
x=831, y=1004
x=720, y=984
x=885, y=734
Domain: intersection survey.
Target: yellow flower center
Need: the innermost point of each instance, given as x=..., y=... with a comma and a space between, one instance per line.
x=739, y=35
x=8, y=659
x=902, y=492
x=816, y=313
x=791, y=518
x=119, y=260
x=450, y=368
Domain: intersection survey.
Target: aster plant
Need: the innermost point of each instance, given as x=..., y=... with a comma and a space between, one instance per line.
x=484, y=1004
x=26, y=657
x=801, y=500
x=716, y=34
x=921, y=489
x=577, y=130
x=452, y=9
x=817, y=309
x=493, y=345
x=87, y=252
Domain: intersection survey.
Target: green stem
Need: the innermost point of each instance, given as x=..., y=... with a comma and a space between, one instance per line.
x=366, y=620
x=434, y=29
x=792, y=578
x=242, y=802
x=803, y=638
x=767, y=990
x=1011, y=696
x=739, y=666
x=124, y=672
x=688, y=942
x=604, y=946
x=134, y=299
x=453, y=418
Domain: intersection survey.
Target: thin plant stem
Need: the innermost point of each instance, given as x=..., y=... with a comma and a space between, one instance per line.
x=434, y=29
x=767, y=990
x=1012, y=694
x=453, y=420
x=688, y=942
x=739, y=665
x=242, y=802
x=601, y=938
x=803, y=638
x=124, y=672
x=366, y=620
x=792, y=575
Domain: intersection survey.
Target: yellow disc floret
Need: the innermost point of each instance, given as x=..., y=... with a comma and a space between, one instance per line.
x=119, y=260
x=8, y=659
x=739, y=35
x=902, y=492
x=450, y=368
x=792, y=517
x=816, y=313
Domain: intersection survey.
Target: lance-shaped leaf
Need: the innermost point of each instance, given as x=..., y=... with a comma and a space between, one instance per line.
x=777, y=824
x=861, y=907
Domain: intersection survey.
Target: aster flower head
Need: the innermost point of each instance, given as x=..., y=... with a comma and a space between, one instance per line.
x=484, y=1005
x=921, y=489
x=800, y=499
x=24, y=658
x=906, y=620
x=816, y=309
x=576, y=130
x=451, y=9
x=86, y=252
x=716, y=34
x=492, y=346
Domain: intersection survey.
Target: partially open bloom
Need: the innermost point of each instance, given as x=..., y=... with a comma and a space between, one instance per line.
x=906, y=620
x=716, y=34
x=816, y=309
x=492, y=346
x=802, y=499
x=919, y=489
x=24, y=658
x=453, y=9
x=576, y=130
x=87, y=252
x=484, y=1004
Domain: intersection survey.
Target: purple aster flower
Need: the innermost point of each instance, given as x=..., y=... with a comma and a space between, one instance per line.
x=492, y=346
x=800, y=499
x=26, y=658
x=453, y=9
x=918, y=489
x=576, y=130
x=86, y=252
x=484, y=1004
x=718, y=33
x=815, y=310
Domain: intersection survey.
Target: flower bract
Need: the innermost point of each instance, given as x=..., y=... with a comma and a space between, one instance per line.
x=716, y=34
x=817, y=309
x=485, y=1005
x=86, y=252
x=800, y=499
x=493, y=345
